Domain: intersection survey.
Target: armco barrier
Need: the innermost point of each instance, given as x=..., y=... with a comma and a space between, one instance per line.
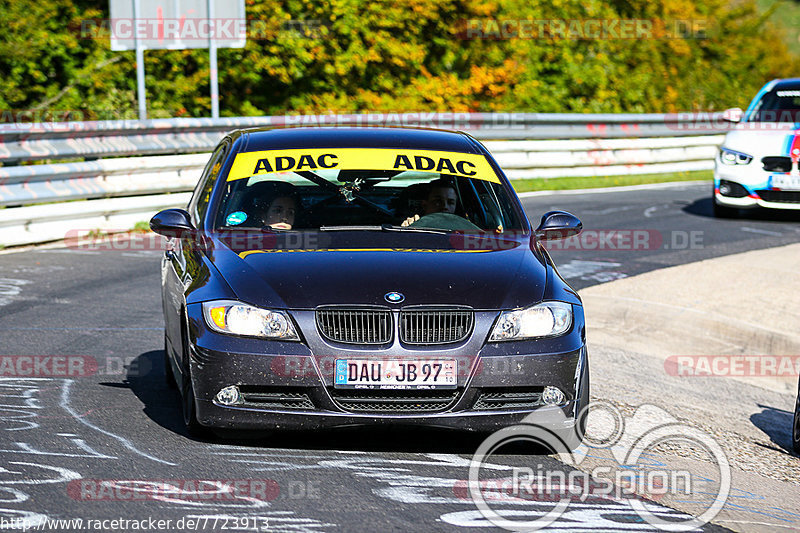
x=126, y=171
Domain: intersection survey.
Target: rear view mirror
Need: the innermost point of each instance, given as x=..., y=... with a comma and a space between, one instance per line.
x=172, y=223
x=558, y=225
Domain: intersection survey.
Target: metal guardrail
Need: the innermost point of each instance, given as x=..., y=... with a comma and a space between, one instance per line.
x=37, y=141
x=124, y=174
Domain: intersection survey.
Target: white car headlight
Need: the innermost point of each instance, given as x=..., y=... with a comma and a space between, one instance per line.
x=237, y=318
x=732, y=157
x=547, y=319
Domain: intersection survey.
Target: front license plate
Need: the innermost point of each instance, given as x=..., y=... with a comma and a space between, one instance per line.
x=786, y=183
x=395, y=374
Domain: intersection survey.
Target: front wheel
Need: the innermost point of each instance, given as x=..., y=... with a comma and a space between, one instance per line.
x=188, y=401
x=169, y=375
x=582, y=408
x=581, y=412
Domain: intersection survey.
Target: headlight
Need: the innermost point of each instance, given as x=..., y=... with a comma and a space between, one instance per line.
x=237, y=318
x=732, y=157
x=547, y=319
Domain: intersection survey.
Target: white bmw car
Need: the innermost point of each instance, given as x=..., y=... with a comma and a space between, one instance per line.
x=757, y=165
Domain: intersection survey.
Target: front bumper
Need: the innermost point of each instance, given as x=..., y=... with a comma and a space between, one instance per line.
x=294, y=384
x=322, y=407
x=213, y=415
x=758, y=186
x=752, y=201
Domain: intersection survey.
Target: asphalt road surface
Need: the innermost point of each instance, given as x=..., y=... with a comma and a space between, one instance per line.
x=105, y=441
x=628, y=233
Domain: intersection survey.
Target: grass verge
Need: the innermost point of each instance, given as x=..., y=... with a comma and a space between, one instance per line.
x=596, y=182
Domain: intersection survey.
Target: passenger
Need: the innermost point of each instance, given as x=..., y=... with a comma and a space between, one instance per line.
x=441, y=198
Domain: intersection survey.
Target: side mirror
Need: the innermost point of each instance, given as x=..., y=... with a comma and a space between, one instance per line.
x=558, y=225
x=733, y=114
x=172, y=223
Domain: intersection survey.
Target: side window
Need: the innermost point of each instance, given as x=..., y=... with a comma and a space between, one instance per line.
x=202, y=193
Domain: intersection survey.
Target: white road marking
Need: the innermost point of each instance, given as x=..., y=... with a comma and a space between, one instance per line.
x=609, y=210
x=24, y=447
x=10, y=289
x=762, y=232
x=122, y=440
x=64, y=474
x=584, y=517
x=71, y=251
x=604, y=277
x=576, y=268
x=648, y=213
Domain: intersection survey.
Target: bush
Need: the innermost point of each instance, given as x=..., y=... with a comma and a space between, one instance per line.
x=404, y=55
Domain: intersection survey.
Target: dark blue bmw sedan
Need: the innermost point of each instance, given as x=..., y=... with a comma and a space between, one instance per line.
x=331, y=277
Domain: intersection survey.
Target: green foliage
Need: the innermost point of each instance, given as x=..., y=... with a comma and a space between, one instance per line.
x=597, y=182
x=401, y=55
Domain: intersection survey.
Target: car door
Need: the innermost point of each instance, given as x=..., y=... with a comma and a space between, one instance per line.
x=180, y=256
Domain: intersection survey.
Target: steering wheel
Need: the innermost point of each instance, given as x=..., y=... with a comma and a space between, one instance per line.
x=445, y=221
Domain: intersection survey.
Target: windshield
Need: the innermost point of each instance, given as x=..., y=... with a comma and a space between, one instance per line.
x=311, y=197
x=778, y=105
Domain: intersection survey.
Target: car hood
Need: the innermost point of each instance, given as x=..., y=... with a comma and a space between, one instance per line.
x=353, y=269
x=760, y=139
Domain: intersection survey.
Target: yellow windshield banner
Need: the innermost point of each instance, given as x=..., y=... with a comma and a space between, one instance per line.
x=473, y=166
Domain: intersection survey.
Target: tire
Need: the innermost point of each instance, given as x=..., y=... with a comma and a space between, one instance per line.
x=188, y=401
x=573, y=437
x=796, y=424
x=169, y=375
x=721, y=211
x=581, y=409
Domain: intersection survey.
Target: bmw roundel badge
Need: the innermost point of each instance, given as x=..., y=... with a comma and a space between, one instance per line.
x=394, y=297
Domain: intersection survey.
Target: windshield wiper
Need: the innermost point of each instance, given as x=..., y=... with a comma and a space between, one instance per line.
x=383, y=227
x=351, y=228
x=389, y=227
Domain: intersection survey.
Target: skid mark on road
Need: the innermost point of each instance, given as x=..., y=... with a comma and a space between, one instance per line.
x=443, y=483
x=65, y=391
x=27, y=404
x=589, y=517
x=277, y=521
x=10, y=289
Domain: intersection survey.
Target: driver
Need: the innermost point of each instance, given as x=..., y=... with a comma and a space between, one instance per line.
x=441, y=198
x=281, y=212
x=275, y=204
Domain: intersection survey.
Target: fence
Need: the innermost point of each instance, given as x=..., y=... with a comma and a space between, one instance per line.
x=131, y=169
